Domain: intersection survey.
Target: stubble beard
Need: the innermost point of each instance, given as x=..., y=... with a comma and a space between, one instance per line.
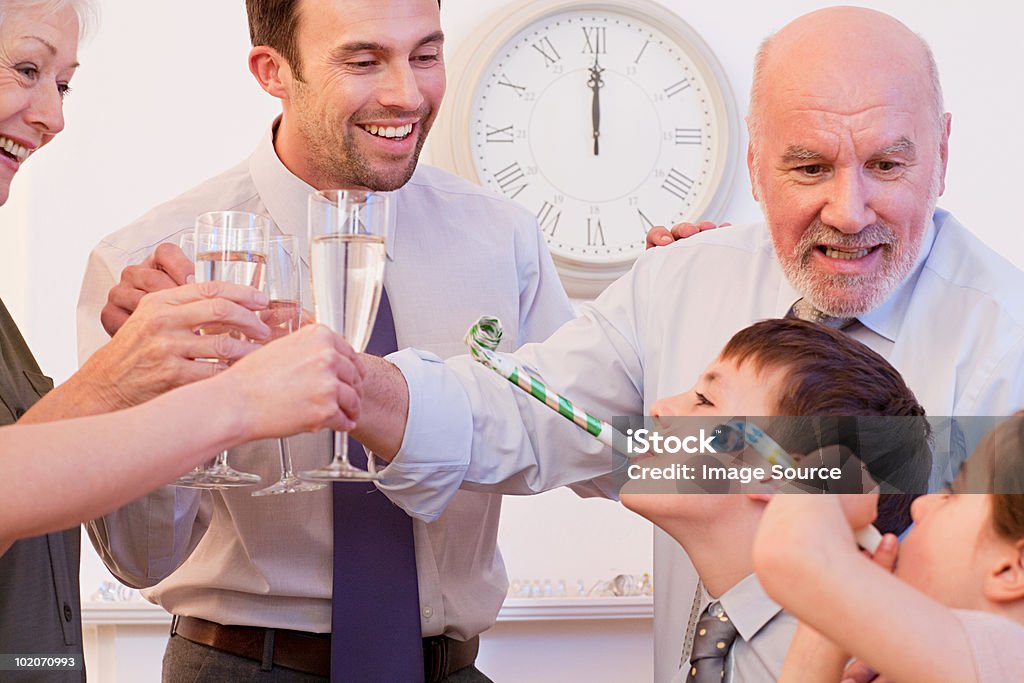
x=336, y=160
x=849, y=296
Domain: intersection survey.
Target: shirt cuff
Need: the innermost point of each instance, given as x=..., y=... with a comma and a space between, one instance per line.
x=432, y=462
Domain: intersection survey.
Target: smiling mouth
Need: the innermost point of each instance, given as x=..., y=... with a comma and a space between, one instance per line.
x=846, y=254
x=388, y=132
x=12, y=150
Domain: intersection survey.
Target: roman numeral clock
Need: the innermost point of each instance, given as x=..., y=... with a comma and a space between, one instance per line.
x=601, y=118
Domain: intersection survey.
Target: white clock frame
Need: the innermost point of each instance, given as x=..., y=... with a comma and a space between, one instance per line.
x=451, y=143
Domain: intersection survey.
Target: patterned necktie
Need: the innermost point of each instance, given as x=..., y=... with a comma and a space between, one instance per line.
x=375, y=614
x=805, y=310
x=715, y=635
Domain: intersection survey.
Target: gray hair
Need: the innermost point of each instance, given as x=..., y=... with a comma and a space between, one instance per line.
x=757, y=92
x=86, y=11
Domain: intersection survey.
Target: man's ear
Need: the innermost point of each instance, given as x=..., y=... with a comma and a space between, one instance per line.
x=1006, y=582
x=752, y=171
x=947, y=121
x=271, y=70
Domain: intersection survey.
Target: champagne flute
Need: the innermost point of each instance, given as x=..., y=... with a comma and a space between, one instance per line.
x=283, y=316
x=192, y=478
x=230, y=246
x=347, y=231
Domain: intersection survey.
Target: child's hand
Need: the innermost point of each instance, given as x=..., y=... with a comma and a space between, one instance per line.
x=795, y=524
x=859, y=672
x=807, y=510
x=885, y=555
x=860, y=509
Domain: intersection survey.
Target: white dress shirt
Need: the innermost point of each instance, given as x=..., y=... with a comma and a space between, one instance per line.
x=455, y=252
x=954, y=329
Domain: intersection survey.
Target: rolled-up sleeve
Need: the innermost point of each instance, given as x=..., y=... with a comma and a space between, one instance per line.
x=467, y=422
x=435, y=454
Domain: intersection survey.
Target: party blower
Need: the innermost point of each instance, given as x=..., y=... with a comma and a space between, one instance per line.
x=483, y=338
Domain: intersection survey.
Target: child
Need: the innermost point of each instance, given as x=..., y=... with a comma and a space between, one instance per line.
x=954, y=611
x=775, y=367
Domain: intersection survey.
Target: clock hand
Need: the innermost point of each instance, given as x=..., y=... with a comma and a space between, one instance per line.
x=595, y=84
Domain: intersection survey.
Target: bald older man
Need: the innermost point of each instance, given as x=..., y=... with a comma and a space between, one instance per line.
x=848, y=152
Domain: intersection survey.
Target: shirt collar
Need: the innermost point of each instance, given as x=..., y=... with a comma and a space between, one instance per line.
x=749, y=607
x=285, y=195
x=885, y=319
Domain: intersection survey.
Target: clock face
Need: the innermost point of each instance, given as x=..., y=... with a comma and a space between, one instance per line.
x=602, y=125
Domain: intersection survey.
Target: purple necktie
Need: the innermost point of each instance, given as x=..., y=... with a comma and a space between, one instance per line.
x=375, y=613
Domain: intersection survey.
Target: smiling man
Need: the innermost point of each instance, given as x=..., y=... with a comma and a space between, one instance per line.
x=249, y=579
x=848, y=152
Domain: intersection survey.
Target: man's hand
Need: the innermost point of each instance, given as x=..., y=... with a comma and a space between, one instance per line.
x=303, y=382
x=165, y=268
x=659, y=236
x=157, y=348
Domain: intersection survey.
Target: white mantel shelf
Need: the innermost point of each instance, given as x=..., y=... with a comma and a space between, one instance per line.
x=515, y=609
x=123, y=614
x=562, y=609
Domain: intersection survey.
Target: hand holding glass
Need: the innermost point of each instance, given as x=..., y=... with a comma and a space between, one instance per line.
x=230, y=246
x=283, y=316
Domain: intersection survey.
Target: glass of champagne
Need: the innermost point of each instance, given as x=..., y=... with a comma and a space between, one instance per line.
x=281, y=283
x=187, y=242
x=347, y=231
x=230, y=246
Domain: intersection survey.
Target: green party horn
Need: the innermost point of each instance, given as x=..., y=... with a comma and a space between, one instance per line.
x=483, y=339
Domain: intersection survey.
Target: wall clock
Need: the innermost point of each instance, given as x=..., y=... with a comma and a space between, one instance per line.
x=602, y=118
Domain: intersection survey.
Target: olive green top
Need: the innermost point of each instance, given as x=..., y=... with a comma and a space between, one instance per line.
x=40, y=607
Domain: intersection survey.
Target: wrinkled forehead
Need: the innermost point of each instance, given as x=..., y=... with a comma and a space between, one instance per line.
x=54, y=32
x=846, y=61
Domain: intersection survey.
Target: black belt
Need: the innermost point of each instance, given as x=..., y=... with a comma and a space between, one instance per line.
x=311, y=652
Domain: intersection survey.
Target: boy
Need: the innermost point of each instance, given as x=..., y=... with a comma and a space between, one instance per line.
x=788, y=368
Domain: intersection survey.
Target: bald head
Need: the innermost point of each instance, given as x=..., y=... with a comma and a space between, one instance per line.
x=850, y=57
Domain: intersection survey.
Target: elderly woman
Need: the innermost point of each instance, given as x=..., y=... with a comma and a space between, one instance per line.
x=57, y=474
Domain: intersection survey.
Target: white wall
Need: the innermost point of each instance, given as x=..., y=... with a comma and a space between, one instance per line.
x=164, y=100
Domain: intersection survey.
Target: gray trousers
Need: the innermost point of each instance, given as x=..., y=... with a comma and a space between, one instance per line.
x=188, y=662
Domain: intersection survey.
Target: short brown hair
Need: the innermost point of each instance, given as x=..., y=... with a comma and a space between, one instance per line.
x=1004, y=446
x=1008, y=515
x=275, y=23
x=829, y=374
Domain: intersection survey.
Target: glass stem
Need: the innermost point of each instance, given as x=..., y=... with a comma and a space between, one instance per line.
x=286, y=459
x=340, y=451
x=221, y=463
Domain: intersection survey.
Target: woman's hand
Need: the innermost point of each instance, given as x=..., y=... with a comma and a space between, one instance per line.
x=303, y=382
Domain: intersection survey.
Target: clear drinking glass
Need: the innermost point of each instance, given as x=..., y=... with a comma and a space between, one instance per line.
x=187, y=242
x=281, y=283
x=230, y=246
x=347, y=232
